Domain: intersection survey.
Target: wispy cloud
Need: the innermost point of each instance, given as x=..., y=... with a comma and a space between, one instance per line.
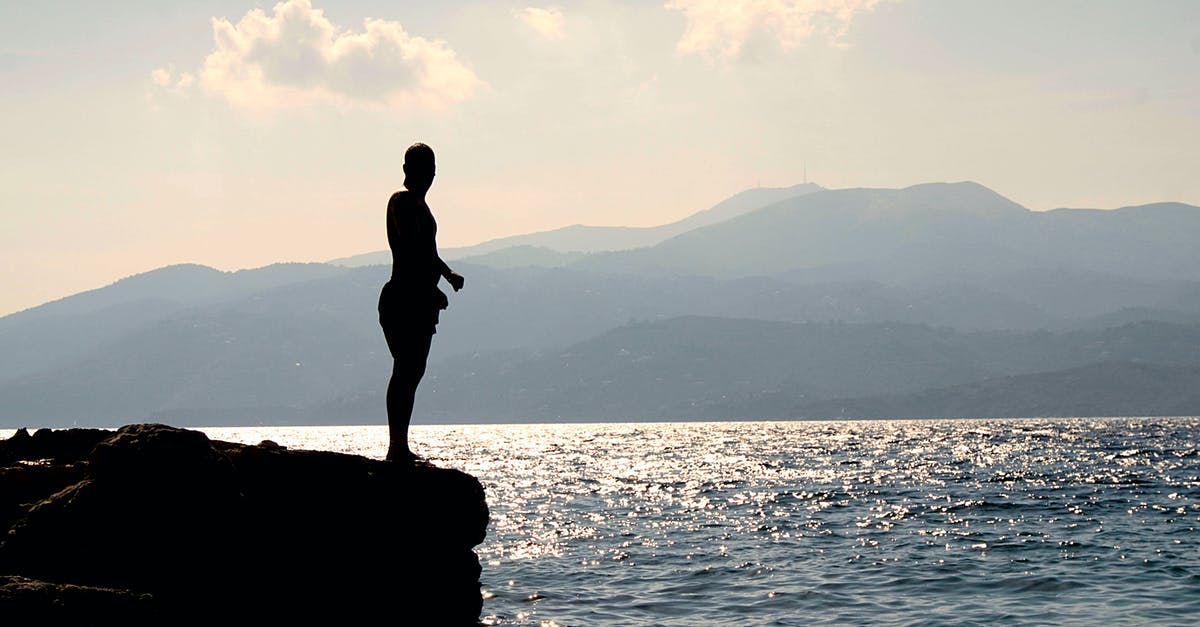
x=720, y=28
x=296, y=57
x=546, y=22
x=169, y=80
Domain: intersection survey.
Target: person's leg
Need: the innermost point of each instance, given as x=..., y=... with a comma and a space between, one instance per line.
x=409, y=354
x=399, y=412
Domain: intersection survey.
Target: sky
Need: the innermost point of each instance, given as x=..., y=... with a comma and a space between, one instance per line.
x=233, y=134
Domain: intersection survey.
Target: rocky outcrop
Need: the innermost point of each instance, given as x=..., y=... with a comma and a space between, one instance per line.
x=189, y=530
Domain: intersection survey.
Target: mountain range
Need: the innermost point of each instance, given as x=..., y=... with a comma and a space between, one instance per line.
x=933, y=300
x=580, y=238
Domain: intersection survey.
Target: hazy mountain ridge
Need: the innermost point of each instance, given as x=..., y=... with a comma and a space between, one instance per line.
x=580, y=238
x=300, y=342
x=1121, y=388
x=543, y=308
x=523, y=257
x=251, y=366
x=826, y=228
x=61, y=330
x=921, y=234
x=720, y=368
x=183, y=283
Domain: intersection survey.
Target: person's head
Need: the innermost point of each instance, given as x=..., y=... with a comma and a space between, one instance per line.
x=418, y=167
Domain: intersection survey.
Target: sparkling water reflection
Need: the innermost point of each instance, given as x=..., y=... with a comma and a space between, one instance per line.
x=953, y=522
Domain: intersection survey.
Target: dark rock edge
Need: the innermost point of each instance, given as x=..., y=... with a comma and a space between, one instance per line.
x=152, y=524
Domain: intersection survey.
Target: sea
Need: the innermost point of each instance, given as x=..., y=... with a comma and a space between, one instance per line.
x=1088, y=521
x=931, y=522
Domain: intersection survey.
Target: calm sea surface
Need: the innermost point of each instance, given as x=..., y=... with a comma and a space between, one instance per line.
x=1090, y=521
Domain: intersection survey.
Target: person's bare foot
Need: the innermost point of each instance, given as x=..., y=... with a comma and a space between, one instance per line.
x=401, y=454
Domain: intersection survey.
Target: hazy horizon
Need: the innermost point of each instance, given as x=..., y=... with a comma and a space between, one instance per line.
x=233, y=136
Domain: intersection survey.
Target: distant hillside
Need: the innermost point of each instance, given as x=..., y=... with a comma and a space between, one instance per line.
x=262, y=358
x=1129, y=315
x=691, y=368
x=186, y=284
x=249, y=364
x=524, y=257
x=924, y=234
x=580, y=238
x=1104, y=389
x=529, y=308
x=537, y=307
x=63, y=330
x=682, y=368
x=937, y=222
x=846, y=294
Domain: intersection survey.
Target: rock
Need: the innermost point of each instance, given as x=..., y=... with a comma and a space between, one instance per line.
x=63, y=446
x=44, y=603
x=200, y=530
x=22, y=485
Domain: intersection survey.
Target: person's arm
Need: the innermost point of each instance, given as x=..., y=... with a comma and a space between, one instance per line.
x=443, y=269
x=453, y=278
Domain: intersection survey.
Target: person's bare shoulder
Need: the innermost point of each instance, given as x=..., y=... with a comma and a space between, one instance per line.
x=399, y=201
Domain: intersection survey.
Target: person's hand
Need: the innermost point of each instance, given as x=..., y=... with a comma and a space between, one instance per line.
x=456, y=281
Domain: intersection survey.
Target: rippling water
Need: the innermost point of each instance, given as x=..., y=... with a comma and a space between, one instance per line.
x=954, y=522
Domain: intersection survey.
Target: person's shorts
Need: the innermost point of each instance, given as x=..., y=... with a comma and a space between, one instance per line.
x=408, y=329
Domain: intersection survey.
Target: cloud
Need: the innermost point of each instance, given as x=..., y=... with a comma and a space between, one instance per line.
x=161, y=77
x=720, y=28
x=546, y=22
x=165, y=78
x=296, y=57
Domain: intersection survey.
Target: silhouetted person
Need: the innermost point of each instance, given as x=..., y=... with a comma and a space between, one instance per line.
x=410, y=302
